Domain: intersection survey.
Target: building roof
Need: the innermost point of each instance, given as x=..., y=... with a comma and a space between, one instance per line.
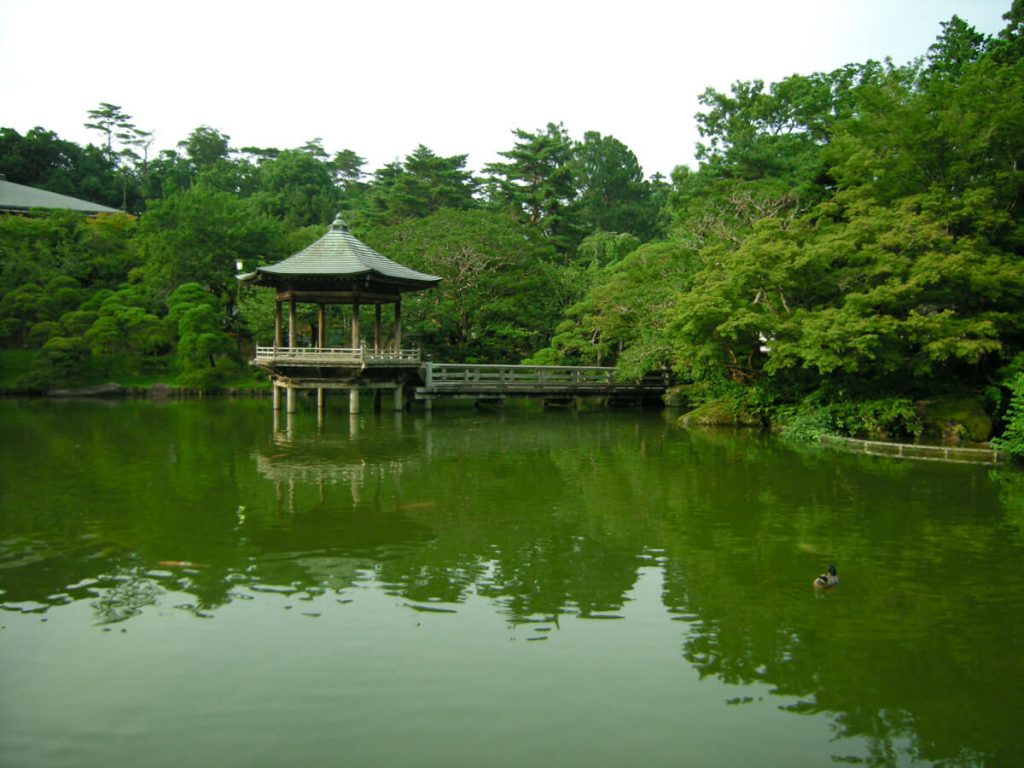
x=340, y=258
x=18, y=197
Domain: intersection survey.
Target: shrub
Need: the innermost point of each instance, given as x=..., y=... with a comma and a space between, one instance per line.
x=1012, y=439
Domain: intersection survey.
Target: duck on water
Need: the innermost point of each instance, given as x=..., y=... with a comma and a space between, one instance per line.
x=827, y=580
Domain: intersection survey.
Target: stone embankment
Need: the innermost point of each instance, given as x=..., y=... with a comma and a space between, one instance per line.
x=915, y=451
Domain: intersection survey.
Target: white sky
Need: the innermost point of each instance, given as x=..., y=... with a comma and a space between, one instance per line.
x=381, y=76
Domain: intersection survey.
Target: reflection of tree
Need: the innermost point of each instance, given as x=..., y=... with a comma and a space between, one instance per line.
x=926, y=614
x=555, y=515
x=125, y=597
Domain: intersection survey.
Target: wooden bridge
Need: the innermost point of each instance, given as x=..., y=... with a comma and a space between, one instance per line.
x=406, y=374
x=547, y=381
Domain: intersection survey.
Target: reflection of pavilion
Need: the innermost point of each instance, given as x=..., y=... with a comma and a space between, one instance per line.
x=320, y=461
x=339, y=269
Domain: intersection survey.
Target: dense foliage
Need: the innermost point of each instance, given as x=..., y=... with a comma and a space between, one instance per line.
x=849, y=243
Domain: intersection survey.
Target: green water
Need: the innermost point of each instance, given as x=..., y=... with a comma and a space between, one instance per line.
x=191, y=584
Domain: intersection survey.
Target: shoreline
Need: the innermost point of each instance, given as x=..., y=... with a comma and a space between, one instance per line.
x=116, y=391
x=916, y=451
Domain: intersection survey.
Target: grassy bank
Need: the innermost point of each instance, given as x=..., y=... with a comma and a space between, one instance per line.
x=16, y=365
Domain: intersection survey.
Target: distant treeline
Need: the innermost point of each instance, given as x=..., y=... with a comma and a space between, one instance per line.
x=850, y=242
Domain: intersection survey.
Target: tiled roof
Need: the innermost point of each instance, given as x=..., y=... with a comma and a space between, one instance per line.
x=339, y=254
x=18, y=197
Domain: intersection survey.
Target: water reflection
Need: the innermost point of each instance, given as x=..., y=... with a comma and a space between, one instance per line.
x=919, y=652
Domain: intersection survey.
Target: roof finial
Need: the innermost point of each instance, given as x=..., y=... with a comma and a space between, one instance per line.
x=339, y=224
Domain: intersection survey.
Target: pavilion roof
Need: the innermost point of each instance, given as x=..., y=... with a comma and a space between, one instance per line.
x=20, y=197
x=339, y=257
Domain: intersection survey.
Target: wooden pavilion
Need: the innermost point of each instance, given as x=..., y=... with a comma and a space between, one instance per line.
x=338, y=269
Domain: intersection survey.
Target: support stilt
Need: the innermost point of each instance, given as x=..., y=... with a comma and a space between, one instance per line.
x=399, y=399
x=353, y=400
x=290, y=398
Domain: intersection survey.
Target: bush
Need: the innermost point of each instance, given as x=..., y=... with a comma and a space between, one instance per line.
x=1012, y=439
x=61, y=362
x=805, y=424
x=42, y=332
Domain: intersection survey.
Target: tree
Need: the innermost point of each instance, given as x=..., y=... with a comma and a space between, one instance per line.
x=347, y=168
x=613, y=195
x=109, y=120
x=298, y=188
x=958, y=45
x=202, y=342
x=194, y=316
x=622, y=317
x=497, y=301
x=538, y=183
x=424, y=183
x=198, y=235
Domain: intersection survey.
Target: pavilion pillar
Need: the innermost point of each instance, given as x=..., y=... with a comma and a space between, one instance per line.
x=290, y=400
x=398, y=325
x=277, y=324
x=399, y=400
x=277, y=397
x=378, y=329
x=355, y=325
x=353, y=401
x=291, y=322
x=321, y=342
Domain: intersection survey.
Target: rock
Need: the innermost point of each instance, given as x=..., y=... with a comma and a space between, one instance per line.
x=677, y=397
x=160, y=391
x=720, y=413
x=102, y=390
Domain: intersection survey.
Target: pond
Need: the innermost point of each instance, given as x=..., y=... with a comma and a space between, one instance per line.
x=198, y=583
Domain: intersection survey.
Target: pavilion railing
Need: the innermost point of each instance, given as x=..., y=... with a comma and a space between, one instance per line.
x=335, y=356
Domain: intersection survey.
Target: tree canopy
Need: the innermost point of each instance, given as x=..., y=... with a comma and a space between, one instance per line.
x=846, y=236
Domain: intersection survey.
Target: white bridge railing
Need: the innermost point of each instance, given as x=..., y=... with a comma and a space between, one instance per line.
x=336, y=356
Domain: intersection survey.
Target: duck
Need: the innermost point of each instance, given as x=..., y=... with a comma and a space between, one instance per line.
x=827, y=580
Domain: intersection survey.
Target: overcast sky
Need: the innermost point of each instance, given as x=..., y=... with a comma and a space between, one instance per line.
x=381, y=76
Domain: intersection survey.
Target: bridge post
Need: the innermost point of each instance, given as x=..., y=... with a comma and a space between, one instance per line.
x=290, y=400
x=353, y=401
x=399, y=399
x=277, y=397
